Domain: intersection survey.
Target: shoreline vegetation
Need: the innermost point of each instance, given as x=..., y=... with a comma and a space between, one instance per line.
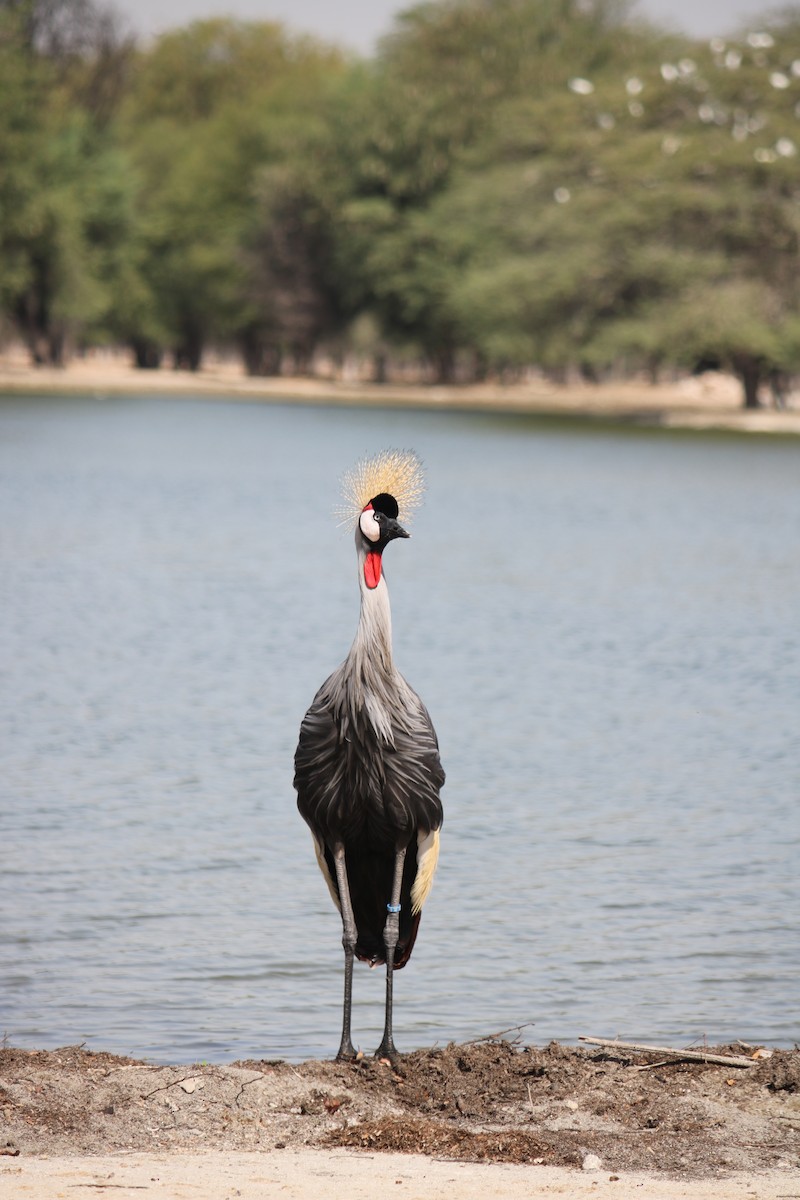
x=710, y=402
x=500, y=186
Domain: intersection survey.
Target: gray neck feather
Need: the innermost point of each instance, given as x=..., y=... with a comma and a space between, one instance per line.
x=369, y=673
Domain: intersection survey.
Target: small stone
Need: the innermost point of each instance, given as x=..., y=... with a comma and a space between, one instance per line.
x=188, y=1085
x=572, y=1105
x=591, y=1163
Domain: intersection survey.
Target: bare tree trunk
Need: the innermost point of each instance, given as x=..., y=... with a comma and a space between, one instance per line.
x=749, y=369
x=444, y=365
x=56, y=344
x=261, y=356
x=146, y=354
x=188, y=354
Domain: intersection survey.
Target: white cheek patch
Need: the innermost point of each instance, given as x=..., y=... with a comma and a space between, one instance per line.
x=368, y=525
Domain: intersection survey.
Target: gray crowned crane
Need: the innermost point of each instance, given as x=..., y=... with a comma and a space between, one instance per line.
x=367, y=769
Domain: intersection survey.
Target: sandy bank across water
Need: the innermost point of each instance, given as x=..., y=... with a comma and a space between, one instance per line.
x=707, y=402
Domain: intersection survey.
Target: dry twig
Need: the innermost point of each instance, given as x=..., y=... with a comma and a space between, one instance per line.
x=493, y=1037
x=727, y=1060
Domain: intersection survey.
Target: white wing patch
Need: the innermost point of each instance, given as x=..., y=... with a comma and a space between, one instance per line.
x=319, y=850
x=427, y=858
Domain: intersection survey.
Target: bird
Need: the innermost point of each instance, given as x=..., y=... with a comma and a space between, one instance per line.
x=367, y=767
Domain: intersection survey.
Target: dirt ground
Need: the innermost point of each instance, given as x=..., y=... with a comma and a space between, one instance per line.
x=491, y=1101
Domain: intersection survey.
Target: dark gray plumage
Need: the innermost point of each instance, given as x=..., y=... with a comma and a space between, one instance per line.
x=367, y=774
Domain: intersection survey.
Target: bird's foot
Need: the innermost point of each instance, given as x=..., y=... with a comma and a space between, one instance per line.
x=387, y=1052
x=347, y=1052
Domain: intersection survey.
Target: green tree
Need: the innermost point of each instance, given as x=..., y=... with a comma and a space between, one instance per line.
x=595, y=224
x=212, y=106
x=62, y=194
x=425, y=121
x=292, y=305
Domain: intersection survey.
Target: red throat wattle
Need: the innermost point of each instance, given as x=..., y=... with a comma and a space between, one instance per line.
x=372, y=569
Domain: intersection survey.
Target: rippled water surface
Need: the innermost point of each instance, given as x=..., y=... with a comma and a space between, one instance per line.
x=605, y=627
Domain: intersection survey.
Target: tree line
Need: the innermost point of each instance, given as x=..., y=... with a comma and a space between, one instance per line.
x=506, y=185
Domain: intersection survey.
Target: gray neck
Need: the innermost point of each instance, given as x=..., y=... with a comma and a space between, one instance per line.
x=369, y=673
x=372, y=647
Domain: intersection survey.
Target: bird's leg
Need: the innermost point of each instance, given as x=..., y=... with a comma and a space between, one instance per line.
x=349, y=937
x=391, y=934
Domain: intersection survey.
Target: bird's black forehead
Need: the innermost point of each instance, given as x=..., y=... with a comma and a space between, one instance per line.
x=386, y=504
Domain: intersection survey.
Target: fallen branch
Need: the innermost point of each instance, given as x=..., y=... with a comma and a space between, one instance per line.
x=726, y=1060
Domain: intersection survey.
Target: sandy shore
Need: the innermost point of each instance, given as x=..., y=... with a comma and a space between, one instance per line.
x=480, y=1119
x=711, y=401
x=343, y=1175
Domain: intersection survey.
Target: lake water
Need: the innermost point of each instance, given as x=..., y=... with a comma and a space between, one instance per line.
x=605, y=626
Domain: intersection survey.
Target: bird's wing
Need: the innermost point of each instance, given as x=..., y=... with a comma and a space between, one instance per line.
x=318, y=765
x=414, y=772
x=347, y=775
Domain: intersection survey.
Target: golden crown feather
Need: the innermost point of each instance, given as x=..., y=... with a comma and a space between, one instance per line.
x=398, y=472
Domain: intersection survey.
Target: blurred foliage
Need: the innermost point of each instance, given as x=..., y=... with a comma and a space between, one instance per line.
x=66, y=216
x=507, y=185
x=212, y=112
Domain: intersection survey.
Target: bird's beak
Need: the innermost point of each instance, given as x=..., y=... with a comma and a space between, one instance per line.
x=390, y=528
